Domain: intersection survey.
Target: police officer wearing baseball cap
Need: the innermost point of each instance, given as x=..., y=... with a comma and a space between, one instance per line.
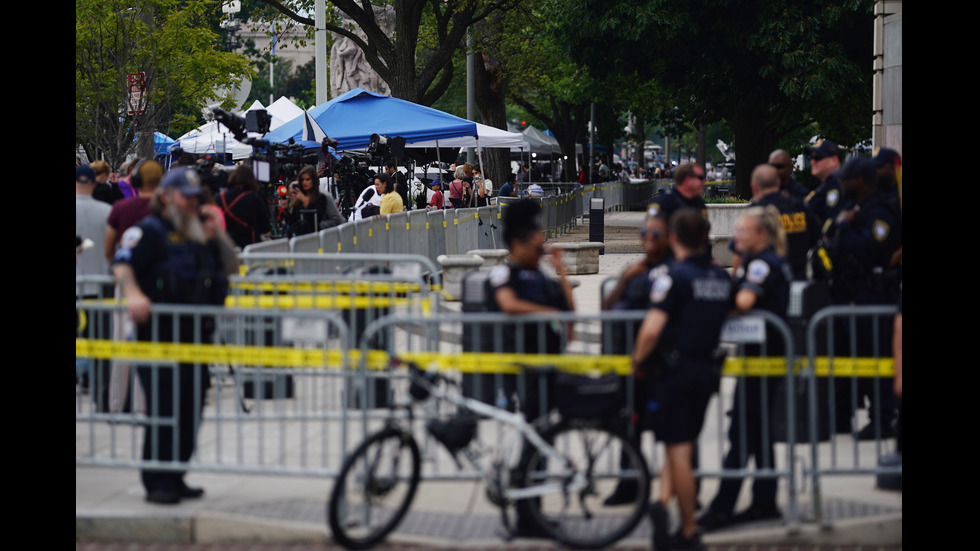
x=177, y=255
x=825, y=161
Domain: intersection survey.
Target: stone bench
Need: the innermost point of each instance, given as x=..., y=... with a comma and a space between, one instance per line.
x=580, y=258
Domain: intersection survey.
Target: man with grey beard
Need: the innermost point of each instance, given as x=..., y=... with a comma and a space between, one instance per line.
x=177, y=255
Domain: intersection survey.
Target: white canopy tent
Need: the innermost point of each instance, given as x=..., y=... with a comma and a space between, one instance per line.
x=214, y=137
x=487, y=136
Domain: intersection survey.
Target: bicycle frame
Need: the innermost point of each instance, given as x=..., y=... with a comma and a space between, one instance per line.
x=515, y=420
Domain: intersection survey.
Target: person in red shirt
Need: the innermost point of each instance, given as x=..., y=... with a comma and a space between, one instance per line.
x=437, y=200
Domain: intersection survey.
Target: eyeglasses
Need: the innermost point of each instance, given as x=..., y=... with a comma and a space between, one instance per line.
x=816, y=158
x=777, y=166
x=656, y=234
x=698, y=176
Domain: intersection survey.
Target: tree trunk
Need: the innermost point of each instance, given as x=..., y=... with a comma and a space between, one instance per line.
x=753, y=143
x=493, y=112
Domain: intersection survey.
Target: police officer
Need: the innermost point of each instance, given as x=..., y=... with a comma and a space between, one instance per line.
x=632, y=292
x=178, y=255
x=862, y=243
x=675, y=353
x=799, y=223
x=762, y=283
x=825, y=201
x=686, y=192
x=520, y=287
x=788, y=186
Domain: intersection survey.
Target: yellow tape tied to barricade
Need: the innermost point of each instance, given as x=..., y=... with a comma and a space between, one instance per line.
x=463, y=362
x=328, y=287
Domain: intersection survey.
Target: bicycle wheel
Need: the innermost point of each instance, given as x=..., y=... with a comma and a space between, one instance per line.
x=374, y=489
x=580, y=519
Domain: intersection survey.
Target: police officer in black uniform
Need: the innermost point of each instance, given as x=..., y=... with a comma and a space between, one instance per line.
x=178, y=255
x=686, y=192
x=862, y=243
x=826, y=201
x=761, y=283
x=675, y=352
x=788, y=186
x=632, y=292
x=799, y=223
x=520, y=287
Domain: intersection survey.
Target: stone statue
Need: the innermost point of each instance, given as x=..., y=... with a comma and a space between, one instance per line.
x=348, y=67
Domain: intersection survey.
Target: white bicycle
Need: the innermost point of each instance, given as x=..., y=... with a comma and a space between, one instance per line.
x=563, y=465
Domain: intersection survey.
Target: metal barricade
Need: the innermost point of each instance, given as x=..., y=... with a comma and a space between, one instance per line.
x=305, y=244
x=436, y=221
x=417, y=228
x=451, y=227
x=321, y=264
x=397, y=231
x=486, y=228
x=346, y=239
x=467, y=231
x=849, y=348
x=330, y=240
x=274, y=406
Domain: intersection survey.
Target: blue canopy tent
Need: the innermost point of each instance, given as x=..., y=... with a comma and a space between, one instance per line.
x=351, y=118
x=161, y=143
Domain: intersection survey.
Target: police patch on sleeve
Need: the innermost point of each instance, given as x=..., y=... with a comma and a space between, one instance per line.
x=653, y=210
x=661, y=286
x=131, y=237
x=880, y=230
x=757, y=272
x=658, y=271
x=499, y=275
x=832, y=197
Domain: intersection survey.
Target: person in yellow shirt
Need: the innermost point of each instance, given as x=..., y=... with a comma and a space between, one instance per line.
x=390, y=202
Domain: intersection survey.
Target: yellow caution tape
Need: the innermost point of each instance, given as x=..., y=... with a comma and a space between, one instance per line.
x=328, y=302
x=328, y=287
x=463, y=362
x=842, y=367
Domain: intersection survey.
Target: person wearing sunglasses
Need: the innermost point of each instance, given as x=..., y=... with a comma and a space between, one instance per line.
x=825, y=160
x=788, y=186
x=686, y=192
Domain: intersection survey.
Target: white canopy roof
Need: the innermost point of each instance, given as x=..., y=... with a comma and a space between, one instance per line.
x=488, y=137
x=213, y=137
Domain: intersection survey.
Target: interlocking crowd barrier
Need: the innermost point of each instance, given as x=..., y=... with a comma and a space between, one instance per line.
x=300, y=374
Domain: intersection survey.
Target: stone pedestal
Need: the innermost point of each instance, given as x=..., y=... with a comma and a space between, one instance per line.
x=454, y=268
x=491, y=257
x=580, y=258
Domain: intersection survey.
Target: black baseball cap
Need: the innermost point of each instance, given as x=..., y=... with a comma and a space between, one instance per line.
x=823, y=149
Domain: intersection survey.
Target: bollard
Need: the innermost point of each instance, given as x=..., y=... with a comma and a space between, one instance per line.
x=596, y=222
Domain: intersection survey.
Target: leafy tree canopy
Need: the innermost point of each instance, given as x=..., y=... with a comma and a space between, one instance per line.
x=169, y=47
x=765, y=67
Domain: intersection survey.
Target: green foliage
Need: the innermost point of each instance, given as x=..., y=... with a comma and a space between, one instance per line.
x=724, y=200
x=168, y=41
x=766, y=67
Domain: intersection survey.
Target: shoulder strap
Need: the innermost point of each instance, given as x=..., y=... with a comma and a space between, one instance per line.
x=227, y=207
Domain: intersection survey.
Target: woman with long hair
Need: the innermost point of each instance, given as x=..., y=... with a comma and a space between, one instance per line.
x=308, y=207
x=761, y=283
